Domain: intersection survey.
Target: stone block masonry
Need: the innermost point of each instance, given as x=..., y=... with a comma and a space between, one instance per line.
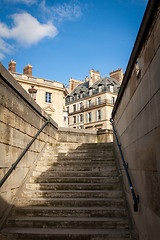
x=20, y=120
x=137, y=120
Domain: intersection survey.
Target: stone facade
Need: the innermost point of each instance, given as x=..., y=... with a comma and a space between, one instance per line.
x=90, y=104
x=50, y=95
x=136, y=118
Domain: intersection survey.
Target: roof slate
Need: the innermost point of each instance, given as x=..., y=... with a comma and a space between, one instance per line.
x=103, y=81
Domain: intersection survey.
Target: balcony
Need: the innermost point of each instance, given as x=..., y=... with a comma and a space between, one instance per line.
x=95, y=91
x=93, y=105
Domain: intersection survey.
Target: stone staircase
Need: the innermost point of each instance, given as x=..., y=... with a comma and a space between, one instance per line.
x=74, y=193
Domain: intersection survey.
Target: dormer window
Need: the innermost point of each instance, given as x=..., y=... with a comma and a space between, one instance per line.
x=81, y=94
x=90, y=91
x=100, y=88
x=75, y=96
x=111, y=88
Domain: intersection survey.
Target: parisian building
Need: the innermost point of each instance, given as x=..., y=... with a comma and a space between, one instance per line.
x=50, y=95
x=89, y=104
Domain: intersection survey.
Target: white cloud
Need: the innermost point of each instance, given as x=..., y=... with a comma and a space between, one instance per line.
x=4, y=48
x=27, y=30
x=27, y=2
x=61, y=12
x=2, y=56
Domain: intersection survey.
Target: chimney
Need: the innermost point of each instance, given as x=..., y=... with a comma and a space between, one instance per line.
x=73, y=83
x=27, y=70
x=117, y=74
x=12, y=66
x=93, y=76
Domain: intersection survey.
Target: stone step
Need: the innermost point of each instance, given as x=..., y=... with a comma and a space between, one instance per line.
x=63, y=211
x=73, y=186
x=67, y=222
x=84, y=151
x=76, y=161
x=84, y=145
x=93, y=154
x=77, y=167
x=72, y=193
x=72, y=202
x=64, y=157
x=66, y=233
x=51, y=172
x=45, y=178
x=87, y=152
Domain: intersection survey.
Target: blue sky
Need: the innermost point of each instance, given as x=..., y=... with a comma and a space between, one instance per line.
x=66, y=38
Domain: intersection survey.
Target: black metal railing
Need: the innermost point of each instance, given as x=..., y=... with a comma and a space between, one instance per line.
x=135, y=198
x=22, y=154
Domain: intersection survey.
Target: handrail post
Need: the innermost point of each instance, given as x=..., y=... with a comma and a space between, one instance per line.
x=22, y=154
x=136, y=199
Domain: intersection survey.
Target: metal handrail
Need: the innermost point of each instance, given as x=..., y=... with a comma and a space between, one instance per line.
x=22, y=154
x=136, y=199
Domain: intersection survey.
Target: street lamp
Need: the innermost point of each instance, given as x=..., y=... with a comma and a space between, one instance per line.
x=32, y=91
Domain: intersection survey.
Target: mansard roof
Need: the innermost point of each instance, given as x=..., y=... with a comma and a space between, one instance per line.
x=83, y=87
x=105, y=82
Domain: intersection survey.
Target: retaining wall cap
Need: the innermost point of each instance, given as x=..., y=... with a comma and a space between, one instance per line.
x=74, y=130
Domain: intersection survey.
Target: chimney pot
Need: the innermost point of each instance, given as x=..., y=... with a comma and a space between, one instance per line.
x=12, y=66
x=27, y=70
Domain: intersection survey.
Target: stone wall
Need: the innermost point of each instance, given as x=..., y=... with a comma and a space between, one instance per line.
x=20, y=120
x=137, y=121
x=104, y=135
x=73, y=135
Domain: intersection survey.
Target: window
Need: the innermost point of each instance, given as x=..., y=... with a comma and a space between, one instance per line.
x=48, y=97
x=67, y=109
x=111, y=88
x=81, y=94
x=89, y=117
x=89, y=103
x=74, y=107
x=74, y=119
x=90, y=91
x=81, y=105
x=98, y=100
x=112, y=100
x=81, y=117
x=100, y=88
x=75, y=96
x=99, y=115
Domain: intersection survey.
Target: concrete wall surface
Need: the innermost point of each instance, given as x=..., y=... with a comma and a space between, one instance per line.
x=73, y=135
x=137, y=122
x=20, y=120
